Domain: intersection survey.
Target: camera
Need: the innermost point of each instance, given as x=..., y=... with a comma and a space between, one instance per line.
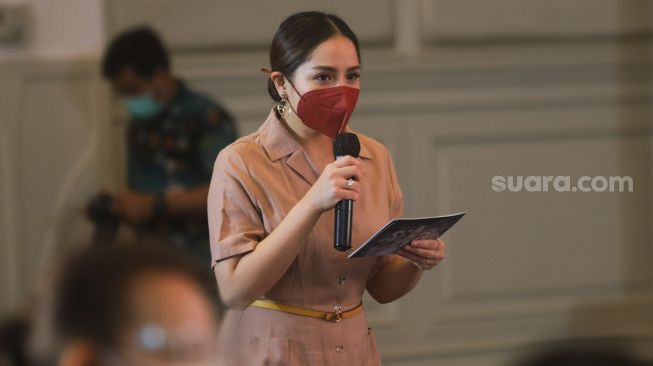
x=106, y=223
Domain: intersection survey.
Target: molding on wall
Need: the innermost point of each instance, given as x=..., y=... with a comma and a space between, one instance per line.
x=62, y=218
x=452, y=20
x=232, y=25
x=9, y=108
x=14, y=108
x=52, y=237
x=454, y=79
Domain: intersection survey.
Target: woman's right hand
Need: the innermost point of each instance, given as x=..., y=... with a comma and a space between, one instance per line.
x=331, y=187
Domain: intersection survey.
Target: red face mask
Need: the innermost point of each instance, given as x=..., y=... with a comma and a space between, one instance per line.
x=327, y=110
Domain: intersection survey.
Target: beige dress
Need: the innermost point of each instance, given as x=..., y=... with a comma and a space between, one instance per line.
x=256, y=181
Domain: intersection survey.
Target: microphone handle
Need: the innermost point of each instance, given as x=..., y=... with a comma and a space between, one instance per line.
x=343, y=225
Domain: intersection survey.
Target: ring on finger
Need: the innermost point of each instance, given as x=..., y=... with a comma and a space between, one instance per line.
x=350, y=183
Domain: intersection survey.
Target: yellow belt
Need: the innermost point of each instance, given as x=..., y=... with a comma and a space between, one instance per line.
x=335, y=316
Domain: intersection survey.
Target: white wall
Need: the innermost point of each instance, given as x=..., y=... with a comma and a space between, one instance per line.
x=519, y=19
x=59, y=29
x=207, y=24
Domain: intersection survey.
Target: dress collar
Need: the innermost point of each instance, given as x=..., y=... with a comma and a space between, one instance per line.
x=278, y=142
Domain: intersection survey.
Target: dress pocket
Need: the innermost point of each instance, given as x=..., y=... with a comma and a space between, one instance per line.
x=268, y=352
x=372, y=350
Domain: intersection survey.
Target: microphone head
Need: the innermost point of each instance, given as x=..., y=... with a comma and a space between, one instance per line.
x=346, y=143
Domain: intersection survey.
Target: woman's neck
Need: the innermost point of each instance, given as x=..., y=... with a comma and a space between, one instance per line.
x=317, y=145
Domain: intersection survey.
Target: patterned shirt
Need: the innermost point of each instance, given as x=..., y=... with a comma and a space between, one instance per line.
x=176, y=150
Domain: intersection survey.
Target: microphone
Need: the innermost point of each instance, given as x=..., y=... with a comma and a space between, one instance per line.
x=345, y=144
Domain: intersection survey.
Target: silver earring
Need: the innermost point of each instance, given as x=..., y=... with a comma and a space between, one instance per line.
x=284, y=105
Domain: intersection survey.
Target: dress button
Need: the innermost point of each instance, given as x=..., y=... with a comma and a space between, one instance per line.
x=339, y=349
x=342, y=280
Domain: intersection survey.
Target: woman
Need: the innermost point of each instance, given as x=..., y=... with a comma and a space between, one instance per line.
x=294, y=299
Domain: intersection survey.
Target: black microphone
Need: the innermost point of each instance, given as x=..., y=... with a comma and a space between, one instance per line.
x=345, y=144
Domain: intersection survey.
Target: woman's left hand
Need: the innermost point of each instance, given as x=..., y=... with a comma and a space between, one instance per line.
x=425, y=254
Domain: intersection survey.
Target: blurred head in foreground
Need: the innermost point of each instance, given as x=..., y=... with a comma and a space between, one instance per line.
x=126, y=305
x=583, y=356
x=14, y=332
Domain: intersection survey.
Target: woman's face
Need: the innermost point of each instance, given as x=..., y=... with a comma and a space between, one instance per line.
x=333, y=63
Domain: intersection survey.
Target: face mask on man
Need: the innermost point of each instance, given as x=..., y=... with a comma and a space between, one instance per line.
x=327, y=110
x=142, y=106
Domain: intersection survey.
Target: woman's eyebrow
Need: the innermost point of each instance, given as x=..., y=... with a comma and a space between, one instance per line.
x=333, y=69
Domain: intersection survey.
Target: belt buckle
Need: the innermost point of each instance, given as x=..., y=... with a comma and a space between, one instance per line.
x=337, y=314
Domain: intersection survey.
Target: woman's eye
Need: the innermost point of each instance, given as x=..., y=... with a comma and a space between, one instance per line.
x=354, y=76
x=322, y=77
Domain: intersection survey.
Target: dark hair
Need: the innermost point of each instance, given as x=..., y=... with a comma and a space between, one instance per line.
x=298, y=36
x=138, y=48
x=89, y=297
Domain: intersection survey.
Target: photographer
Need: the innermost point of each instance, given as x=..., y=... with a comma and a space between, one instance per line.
x=173, y=138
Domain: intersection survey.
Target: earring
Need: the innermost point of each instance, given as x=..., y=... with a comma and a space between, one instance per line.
x=284, y=105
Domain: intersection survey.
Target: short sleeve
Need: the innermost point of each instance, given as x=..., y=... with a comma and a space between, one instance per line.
x=235, y=224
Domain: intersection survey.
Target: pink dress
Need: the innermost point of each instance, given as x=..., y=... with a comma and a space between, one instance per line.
x=256, y=181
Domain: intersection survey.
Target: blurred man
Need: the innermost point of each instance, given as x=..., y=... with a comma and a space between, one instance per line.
x=126, y=305
x=173, y=139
